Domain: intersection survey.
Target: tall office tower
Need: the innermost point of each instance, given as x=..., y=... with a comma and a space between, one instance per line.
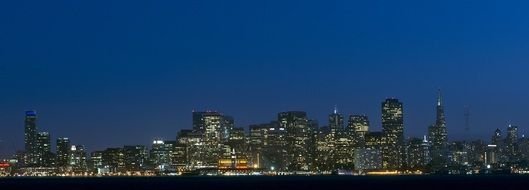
x=135, y=157
x=298, y=139
x=160, y=154
x=370, y=156
x=44, y=149
x=113, y=159
x=179, y=156
x=63, y=150
x=237, y=140
x=417, y=153
x=438, y=136
x=226, y=128
x=96, y=160
x=458, y=153
x=499, y=146
x=30, y=138
x=393, y=128
x=336, y=123
x=511, y=144
x=210, y=125
x=195, y=148
x=268, y=146
x=324, y=156
x=358, y=127
x=496, y=138
x=77, y=158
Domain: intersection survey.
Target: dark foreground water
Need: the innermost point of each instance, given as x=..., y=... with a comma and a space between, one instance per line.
x=272, y=183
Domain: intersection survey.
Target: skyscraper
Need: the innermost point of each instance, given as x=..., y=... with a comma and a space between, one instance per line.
x=358, y=127
x=30, y=138
x=135, y=157
x=393, y=129
x=417, y=153
x=63, y=149
x=210, y=125
x=438, y=136
x=298, y=139
x=511, y=143
x=77, y=158
x=113, y=159
x=44, y=157
x=335, y=122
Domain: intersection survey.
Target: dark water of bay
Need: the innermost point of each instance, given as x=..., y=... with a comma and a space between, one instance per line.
x=480, y=182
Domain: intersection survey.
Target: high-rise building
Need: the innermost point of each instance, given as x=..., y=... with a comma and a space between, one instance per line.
x=438, y=136
x=417, y=153
x=268, y=147
x=44, y=154
x=370, y=157
x=336, y=123
x=63, y=150
x=226, y=128
x=458, y=153
x=325, y=155
x=196, y=150
x=511, y=144
x=179, y=156
x=393, y=128
x=96, y=161
x=160, y=154
x=358, y=127
x=30, y=138
x=496, y=138
x=135, y=157
x=210, y=124
x=298, y=139
x=215, y=129
x=77, y=158
x=113, y=159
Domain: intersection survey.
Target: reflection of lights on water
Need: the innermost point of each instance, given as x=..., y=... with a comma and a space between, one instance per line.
x=488, y=166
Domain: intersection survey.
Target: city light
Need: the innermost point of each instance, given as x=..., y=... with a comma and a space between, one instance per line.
x=293, y=144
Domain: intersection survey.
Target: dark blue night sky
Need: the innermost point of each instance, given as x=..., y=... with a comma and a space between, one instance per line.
x=109, y=73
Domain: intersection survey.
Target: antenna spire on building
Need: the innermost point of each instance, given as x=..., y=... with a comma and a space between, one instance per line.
x=439, y=97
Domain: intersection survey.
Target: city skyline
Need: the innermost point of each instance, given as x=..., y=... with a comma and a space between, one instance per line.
x=293, y=144
x=439, y=104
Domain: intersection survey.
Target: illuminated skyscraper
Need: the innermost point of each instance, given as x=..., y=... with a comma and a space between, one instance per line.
x=511, y=144
x=44, y=155
x=438, y=136
x=369, y=157
x=358, y=127
x=135, y=157
x=113, y=159
x=268, y=146
x=160, y=154
x=336, y=123
x=63, y=148
x=393, y=129
x=298, y=139
x=77, y=158
x=30, y=138
x=215, y=130
x=226, y=128
x=417, y=153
